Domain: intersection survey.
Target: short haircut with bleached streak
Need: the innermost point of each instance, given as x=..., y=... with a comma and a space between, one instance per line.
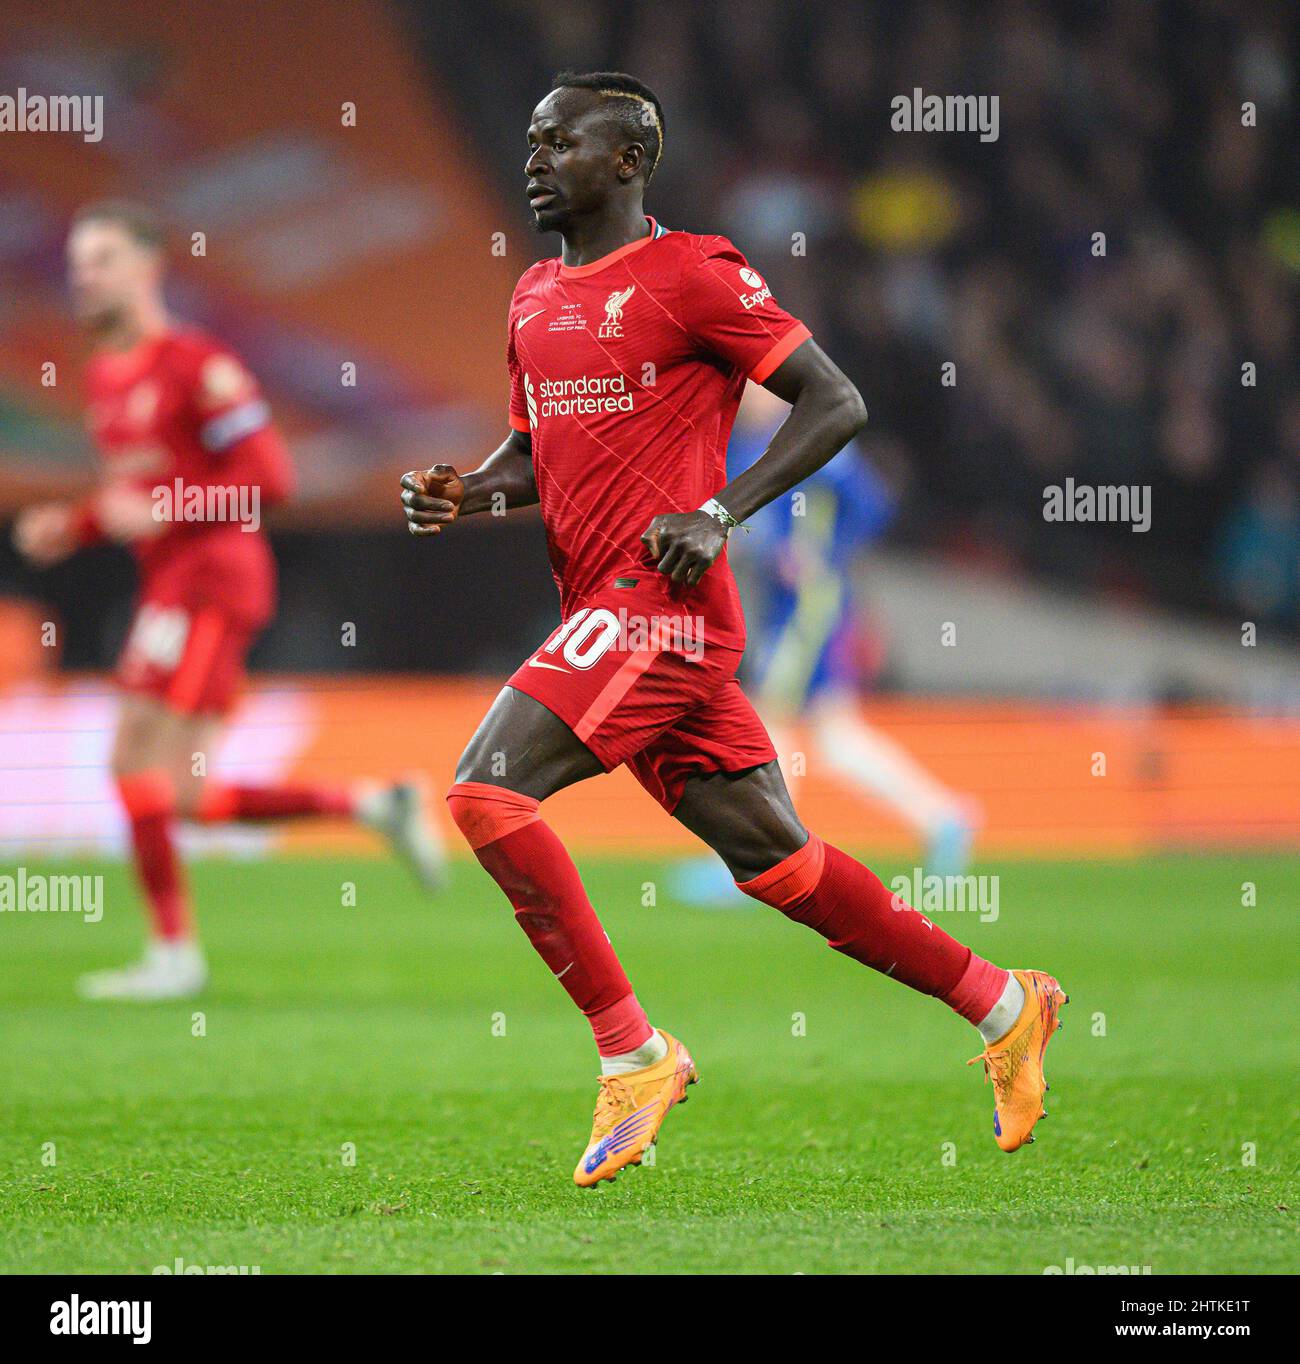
x=638, y=111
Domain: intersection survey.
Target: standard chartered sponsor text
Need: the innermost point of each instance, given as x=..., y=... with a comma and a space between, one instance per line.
x=586, y=395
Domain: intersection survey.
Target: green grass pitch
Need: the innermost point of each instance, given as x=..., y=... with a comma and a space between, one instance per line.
x=426, y=1036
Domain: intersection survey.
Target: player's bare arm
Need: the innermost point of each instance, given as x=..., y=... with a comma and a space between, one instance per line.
x=50, y=532
x=827, y=411
x=433, y=498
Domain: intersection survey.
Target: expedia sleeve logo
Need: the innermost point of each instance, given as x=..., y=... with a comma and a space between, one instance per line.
x=755, y=281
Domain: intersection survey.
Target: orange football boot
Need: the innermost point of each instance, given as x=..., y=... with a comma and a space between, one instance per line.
x=1015, y=1062
x=630, y=1110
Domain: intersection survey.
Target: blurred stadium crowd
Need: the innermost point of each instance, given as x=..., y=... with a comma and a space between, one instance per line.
x=387, y=245
x=905, y=252
x=1119, y=118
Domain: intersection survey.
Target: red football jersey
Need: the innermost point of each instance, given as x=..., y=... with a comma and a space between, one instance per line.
x=173, y=416
x=628, y=372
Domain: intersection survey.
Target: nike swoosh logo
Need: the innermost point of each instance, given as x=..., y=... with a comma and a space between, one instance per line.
x=524, y=320
x=537, y=663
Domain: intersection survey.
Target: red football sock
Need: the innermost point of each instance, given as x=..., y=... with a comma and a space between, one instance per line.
x=221, y=804
x=855, y=912
x=524, y=857
x=150, y=803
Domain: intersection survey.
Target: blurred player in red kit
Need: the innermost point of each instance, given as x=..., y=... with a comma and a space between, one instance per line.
x=190, y=460
x=627, y=357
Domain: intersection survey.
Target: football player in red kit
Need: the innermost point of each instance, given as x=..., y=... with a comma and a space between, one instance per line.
x=191, y=459
x=627, y=356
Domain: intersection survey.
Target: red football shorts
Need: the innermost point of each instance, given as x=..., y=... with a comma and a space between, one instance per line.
x=633, y=678
x=190, y=659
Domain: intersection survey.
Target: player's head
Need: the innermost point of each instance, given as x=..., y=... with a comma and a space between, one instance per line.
x=115, y=263
x=597, y=136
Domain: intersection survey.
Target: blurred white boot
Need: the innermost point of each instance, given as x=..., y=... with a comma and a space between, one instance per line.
x=400, y=812
x=170, y=970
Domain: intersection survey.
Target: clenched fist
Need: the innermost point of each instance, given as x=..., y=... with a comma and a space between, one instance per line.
x=685, y=544
x=432, y=499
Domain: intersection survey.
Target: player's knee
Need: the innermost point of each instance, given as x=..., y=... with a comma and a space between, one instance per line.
x=470, y=769
x=485, y=813
x=749, y=821
x=189, y=795
x=788, y=878
x=481, y=761
x=757, y=851
x=132, y=752
x=147, y=794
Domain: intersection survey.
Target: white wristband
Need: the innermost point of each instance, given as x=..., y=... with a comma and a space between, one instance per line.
x=719, y=513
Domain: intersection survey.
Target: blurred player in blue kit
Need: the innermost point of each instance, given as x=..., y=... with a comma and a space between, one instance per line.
x=808, y=647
